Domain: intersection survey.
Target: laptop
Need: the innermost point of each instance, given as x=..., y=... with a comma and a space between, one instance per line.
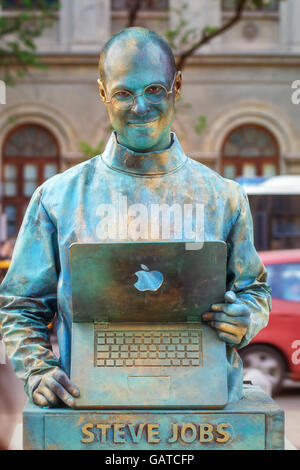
x=137, y=336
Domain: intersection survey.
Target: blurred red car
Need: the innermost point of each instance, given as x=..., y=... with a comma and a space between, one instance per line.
x=276, y=349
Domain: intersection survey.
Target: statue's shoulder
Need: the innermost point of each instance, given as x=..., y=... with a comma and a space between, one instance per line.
x=60, y=188
x=211, y=178
x=216, y=187
x=76, y=174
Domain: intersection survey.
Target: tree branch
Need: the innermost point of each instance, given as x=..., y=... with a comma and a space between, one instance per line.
x=18, y=34
x=11, y=27
x=133, y=7
x=208, y=37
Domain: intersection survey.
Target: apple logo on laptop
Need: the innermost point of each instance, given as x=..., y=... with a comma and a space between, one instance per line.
x=148, y=280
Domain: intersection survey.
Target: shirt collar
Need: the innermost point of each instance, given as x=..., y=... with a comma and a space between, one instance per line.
x=157, y=163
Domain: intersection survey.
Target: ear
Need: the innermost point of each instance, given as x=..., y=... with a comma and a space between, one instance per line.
x=178, y=85
x=101, y=90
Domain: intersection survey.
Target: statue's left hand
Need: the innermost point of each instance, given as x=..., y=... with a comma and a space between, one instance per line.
x=231, y=319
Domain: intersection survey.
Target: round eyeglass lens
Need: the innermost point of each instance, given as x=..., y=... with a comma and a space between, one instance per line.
x=155, y=94
x=122, y=99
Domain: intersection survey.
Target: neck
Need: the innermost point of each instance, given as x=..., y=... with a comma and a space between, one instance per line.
x=163, y=143
x=153, y=163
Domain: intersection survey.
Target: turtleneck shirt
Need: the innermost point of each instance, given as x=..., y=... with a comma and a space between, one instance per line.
x=109, y=197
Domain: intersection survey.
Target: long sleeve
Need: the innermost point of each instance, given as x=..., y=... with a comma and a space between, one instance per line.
x=28, y=295
x=246, y=274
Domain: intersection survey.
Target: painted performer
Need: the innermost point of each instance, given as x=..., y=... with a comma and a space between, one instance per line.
x=144, y=162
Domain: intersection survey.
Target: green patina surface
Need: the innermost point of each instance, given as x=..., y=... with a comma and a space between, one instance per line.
x=38, y=282
x=194, y=280
x=253, y=423
x=144, y=162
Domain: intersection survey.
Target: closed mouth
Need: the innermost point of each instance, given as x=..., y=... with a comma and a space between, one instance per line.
x=142, y=123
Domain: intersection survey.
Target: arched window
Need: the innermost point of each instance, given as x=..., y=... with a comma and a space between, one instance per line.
x=21, y=5
x=30, y=156
x=145, y=4
x=248, y=151
x=271, y=5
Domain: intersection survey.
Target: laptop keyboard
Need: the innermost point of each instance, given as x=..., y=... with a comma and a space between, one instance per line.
x=148, y=348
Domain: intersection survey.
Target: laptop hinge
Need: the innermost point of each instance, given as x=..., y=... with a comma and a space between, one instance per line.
x=193, y=319
x=102, y=325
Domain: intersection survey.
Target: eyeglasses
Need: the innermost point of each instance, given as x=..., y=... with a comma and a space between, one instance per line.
x=153, y=94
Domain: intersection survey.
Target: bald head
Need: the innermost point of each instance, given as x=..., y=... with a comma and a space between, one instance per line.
x=133, y=61
x=127, y=48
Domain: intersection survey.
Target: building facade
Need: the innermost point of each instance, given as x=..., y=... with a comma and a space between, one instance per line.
x=236, y=114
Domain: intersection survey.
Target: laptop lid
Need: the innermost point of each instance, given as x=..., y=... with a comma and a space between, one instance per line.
x=146, y=281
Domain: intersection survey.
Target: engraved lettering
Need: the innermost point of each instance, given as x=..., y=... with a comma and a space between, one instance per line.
x=191, y=436
x=226, y=435
x=174, y=436
x=153, y=433
x=187, y=433
x=119, y=433
x=206, y=434
x=90, y=435
x=103, y=428
x=136, y=435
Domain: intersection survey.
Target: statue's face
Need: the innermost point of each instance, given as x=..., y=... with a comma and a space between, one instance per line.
x=144, y=126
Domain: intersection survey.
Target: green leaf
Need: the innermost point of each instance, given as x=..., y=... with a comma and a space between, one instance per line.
x=201, y=124
x=90, y=152
x=12, y=120
x=18, y=37
x=210, y=29
x=21, y=73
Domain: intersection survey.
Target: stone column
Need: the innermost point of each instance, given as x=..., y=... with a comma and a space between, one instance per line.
x=289, y=25
x=85, y=25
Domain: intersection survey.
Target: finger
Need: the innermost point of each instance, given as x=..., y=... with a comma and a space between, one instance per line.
x=231, y=309
x=237, y=332
x=60, y=391
x=216, y=316
x=230, y=297
x=39, y=399
x=226, y=328
x=223, y=317
x=207, y=316
x=50, y=396
x=64, y=380
x=228, y=338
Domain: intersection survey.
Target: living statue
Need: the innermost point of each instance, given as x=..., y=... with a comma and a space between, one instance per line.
x=143, y=160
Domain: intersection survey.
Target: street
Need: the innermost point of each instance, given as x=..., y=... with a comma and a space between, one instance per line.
x=289, y=401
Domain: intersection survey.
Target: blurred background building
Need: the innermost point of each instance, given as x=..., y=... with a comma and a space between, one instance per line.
x=236, y=114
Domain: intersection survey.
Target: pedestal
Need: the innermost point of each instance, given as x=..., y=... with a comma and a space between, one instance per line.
x=253, y=423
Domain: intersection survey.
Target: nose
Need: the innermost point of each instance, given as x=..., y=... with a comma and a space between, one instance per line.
x=140, y=106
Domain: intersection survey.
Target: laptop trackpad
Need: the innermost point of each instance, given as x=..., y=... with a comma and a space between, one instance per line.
x=149, y=388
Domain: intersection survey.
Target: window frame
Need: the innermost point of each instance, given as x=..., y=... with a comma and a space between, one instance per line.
x=250, y=10
x=152, y=10
x=20, y=200
x=279, y=274
x=19, y=8
x=239, y=161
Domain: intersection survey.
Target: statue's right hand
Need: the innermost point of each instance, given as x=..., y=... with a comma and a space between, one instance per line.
x=55, y=386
